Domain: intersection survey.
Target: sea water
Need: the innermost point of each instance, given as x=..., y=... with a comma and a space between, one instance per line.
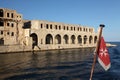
x=69, y=64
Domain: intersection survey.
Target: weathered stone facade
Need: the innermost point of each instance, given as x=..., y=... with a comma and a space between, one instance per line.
x=43, y=35
x=53, y=35
x=10, y=26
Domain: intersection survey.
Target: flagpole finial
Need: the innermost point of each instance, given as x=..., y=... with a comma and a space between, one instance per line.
x=102, y=25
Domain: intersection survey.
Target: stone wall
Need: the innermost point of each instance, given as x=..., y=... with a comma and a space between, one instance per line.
x=14, y=48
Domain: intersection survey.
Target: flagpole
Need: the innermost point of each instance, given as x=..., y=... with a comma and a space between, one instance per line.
x=96, y=50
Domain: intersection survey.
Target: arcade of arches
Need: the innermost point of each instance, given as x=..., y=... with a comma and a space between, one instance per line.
x=66, y=39
x=71, y=40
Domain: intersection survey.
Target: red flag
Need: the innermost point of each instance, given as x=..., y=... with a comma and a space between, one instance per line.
x=103, y=56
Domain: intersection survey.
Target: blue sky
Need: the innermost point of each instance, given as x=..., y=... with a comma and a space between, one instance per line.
x=85, y=12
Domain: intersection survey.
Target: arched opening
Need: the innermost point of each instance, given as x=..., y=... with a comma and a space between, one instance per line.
x=95, y=39
x=34, y=40
x=58, y=39
x=1, y=41
x=65, y=37
x=79, y=39
x=85, y=39
x=49, y=39
x=73, y=39
x=90, y=39
x=1, y=13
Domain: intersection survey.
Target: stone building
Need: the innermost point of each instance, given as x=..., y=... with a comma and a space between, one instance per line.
x=43, y=35
x=10, y=26
x=54, y=35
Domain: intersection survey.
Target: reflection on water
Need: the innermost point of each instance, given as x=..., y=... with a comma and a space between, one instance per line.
x=53, y=65
x=73, y=64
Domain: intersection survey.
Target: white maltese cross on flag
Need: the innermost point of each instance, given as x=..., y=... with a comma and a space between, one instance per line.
x=103, y=56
